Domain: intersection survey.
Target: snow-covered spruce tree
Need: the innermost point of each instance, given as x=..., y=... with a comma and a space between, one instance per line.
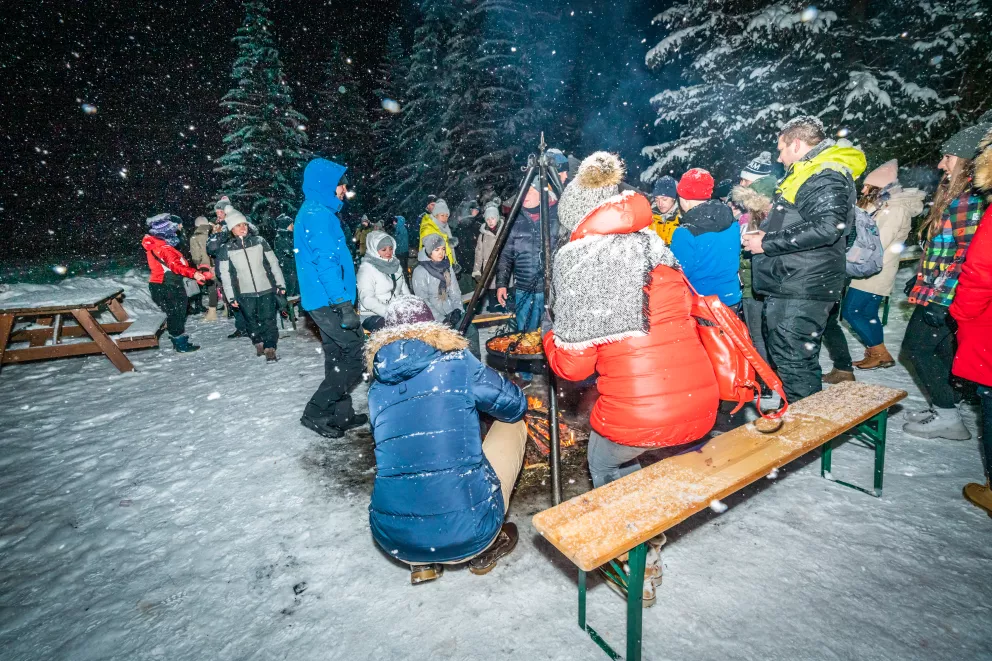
x=745, y=67
x=421, y=135
x=265, y=143
x=342, y=130
x=492, y=118
x=390, y=79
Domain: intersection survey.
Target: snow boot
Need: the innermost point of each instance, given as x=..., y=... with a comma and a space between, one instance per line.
x=270, y=356
x=357, y=420
x=323, y=429
x=875, y=357
x=237, y=333
x=425, y=573
x=979, y=494
x=836, y=376
x=211, y=314
x=505, y=541
x=182, y=344
x=259, y=348
x=919, y=416
x=941, y=423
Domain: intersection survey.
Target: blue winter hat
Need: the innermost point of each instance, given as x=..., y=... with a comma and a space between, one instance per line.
x=559, y=158
x=665, y=187
x=165, y=227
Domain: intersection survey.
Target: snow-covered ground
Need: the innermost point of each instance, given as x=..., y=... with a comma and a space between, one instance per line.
x=181, y=512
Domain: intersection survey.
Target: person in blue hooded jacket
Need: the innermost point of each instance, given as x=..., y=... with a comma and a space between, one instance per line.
x=441, y=493
x=402, y=236
x=707, y=241
x=326, y=275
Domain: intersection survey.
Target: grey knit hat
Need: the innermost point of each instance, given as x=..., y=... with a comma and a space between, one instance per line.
x=491, y=212
x=596, y=181
x=432, y=242
x=440, y=206
x=965, y=142
x=200, y=220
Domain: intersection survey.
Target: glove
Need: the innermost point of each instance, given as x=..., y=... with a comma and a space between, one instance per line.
x=349, y=318
x=453, y=319
x=909, y=285
x=935, y=315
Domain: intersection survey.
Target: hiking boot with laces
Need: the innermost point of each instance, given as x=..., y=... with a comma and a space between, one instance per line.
x=876, y=357
x=980, y=495
x=270, y=355
x=941, y=423
x=425, y=573
x=836, y=376
x=919, y=416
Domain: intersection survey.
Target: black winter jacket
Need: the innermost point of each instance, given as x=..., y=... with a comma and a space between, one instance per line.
x=805, y=243
x=523, y=254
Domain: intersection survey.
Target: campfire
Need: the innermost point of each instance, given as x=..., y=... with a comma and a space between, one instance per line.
x=539, y=433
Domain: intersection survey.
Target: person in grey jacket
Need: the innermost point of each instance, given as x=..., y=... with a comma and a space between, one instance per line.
x=434, y=280
x=250, y=272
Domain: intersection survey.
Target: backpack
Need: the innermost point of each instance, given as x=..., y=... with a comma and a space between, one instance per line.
x=736, y=363
x=864, y=258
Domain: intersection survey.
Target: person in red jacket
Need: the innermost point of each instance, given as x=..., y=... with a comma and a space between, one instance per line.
x=168, y=268
x=972, y=309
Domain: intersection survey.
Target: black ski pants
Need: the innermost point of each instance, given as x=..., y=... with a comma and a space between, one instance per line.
x=260, y=318
x=331, y=404
x=930, y=345
x=835, y=342
x=793, y=332
x=170, y=296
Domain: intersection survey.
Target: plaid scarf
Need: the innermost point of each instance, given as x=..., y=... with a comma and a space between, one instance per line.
x=937, y=277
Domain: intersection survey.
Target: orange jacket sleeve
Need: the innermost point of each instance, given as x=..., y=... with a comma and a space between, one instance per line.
x=569, y=364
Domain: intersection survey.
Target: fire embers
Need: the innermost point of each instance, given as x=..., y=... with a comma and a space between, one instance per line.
x=539, y=433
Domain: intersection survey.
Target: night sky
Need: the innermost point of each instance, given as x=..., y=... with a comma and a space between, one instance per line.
x=111, y=109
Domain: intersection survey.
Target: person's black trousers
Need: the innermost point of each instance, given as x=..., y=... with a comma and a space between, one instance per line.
x=985, y=392
x=260, y=318
x=793, y=331
x=930, y=349
x=170, y=296
x=835, y=342
x=331, y=404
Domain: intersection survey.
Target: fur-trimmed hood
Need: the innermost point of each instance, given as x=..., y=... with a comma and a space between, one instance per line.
x=409, y=349
x=983, y=164
x=751, y=201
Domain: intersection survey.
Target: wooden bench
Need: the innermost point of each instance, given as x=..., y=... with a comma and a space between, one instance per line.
x=595, y=528
x=68, y=324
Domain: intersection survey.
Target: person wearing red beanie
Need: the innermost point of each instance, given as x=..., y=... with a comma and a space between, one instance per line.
x=696, y=184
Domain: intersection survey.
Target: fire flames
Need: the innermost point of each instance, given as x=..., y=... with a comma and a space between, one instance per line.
x=539, y=427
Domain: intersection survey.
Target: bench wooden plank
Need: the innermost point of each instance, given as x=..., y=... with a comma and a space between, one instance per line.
x=595, y=527
x=32, y=310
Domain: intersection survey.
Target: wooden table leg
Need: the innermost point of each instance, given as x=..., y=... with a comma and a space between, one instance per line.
x=6, y=324
x=116, y=309
x=103, y=340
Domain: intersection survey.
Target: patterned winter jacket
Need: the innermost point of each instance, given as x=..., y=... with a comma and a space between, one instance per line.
x=940, y=267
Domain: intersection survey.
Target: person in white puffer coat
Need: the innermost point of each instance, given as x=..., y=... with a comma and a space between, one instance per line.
x=380, y=279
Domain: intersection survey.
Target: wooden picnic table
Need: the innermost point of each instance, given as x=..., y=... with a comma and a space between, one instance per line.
x=33, y=327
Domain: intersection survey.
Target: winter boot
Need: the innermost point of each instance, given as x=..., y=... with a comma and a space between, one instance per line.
x=836, y=376
x=270, y=356
x=182, y=344
x=357, y=420
x=875, y=357
x=652, y=565
x=324, y=430
x=941, y=423
x=500, y=547
x=259, y=348
x=919, y=416
x=425, y=573
x=237, y=333
x=211, y=314
x=980, y=494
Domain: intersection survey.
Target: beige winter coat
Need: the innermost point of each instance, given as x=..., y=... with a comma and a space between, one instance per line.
x=894, y=218
x=483, y=249
x=198, y=245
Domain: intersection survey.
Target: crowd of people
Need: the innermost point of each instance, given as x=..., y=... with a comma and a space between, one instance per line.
x=792, y=254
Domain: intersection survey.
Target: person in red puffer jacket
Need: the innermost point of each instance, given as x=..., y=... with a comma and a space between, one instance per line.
x=168, y=268
x=622, y=310
x=972, y=309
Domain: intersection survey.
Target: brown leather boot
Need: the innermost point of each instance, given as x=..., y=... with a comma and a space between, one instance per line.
x=836, y=376
x=980, y=495
x=259, y=349
x=875, y=358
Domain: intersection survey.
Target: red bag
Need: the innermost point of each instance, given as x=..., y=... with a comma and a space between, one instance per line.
x=734, y=358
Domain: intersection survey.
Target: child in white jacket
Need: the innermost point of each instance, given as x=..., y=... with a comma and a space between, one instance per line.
x=380, y=279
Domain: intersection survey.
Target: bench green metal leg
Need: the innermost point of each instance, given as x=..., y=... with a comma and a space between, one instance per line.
x=633, y=582
x=871, y=432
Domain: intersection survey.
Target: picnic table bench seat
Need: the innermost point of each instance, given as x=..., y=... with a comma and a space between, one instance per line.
x=594, y=528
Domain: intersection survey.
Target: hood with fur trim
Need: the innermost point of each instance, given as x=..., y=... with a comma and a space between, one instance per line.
x=751, y=200
x=409, y=349
x=983, y=164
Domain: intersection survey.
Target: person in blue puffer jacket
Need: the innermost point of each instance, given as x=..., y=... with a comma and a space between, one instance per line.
x=326, y=275
x=441, y=493
x=707, y=241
